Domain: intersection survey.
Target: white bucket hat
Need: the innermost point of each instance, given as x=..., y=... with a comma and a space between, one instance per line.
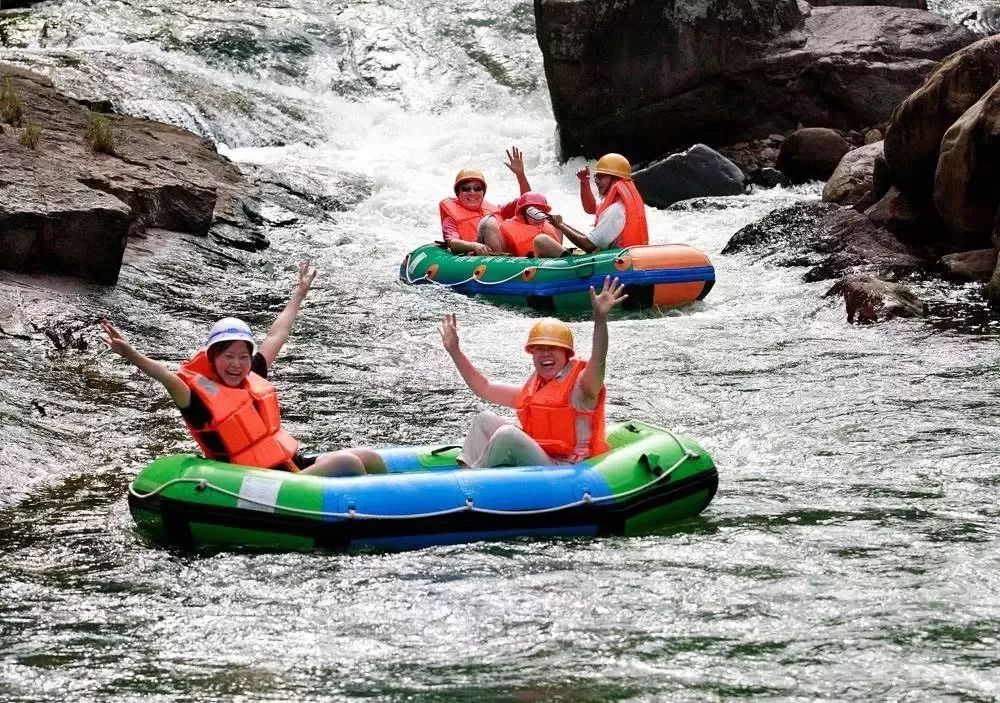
x=230, y=329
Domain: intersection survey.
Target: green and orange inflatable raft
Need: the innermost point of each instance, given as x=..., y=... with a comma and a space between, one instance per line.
x=657, y=275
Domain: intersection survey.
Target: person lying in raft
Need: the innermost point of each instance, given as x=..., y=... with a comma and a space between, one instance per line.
x=230, y=407
x=462, y=215
x=621, y=216
x=561, y=406
x=519, y=235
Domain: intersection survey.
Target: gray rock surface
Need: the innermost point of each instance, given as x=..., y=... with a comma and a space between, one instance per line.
x=67, y=209
x=645, y=79
x=700, y=171
x=811, y=154
x=852, y=180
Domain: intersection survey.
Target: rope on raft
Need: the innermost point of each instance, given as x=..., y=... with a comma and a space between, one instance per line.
x=473, y=277
x=352, y=514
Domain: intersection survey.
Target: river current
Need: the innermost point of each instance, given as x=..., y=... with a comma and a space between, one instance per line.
x=850, y=553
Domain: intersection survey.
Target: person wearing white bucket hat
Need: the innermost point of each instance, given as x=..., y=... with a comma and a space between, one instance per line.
x=230, y=407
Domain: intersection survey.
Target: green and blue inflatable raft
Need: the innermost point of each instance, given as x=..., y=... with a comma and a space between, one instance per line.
x=650, y=478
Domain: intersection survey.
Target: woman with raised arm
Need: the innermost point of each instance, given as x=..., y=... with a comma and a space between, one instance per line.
x=230, y=407
x=561, y=406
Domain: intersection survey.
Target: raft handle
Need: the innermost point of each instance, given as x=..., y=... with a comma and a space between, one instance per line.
x=201, y=485
x=651, y=464
x=439, y=450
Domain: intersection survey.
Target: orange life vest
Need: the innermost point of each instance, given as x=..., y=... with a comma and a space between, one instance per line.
x=467, y=220
x=635, y=231
x=245, y=425
x=519, y=236
x=548, y=417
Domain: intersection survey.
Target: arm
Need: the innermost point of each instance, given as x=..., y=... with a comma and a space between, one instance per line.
x=592, y=377
x=515, y=162
x=578, y=238
x=460, y=246
x=177, y=389
x=586, y=194
x=499, y=393
x=277, y=335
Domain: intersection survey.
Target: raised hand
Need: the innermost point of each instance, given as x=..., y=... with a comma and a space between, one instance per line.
x=306, y=275
x=612, y=293
x=449, y=333
x=116, y=340
x=515, y=161
x=584, y=173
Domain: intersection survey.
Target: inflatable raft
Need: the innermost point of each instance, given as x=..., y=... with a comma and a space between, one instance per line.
x=651, y=477
x=661, y=275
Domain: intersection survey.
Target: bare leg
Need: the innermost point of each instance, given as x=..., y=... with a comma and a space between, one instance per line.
x=546, y=247
x=342, y=463
x=371, y=460
x=489, y=233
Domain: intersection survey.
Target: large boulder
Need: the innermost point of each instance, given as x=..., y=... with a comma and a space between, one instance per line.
x=65, y=208
x=967, y=180
x=811, y=154
x=853, y=178
x=700, y=171
x=977, y=265
x=644, y=79
x=831, y=240
x=913, y=137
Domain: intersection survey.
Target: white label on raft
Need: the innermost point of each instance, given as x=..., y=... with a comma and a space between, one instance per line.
x=258, y=494
x=414, y=262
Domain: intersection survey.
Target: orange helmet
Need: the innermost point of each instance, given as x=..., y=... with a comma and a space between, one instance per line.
x=550, y=332
x=614, y=165
x=469, y=174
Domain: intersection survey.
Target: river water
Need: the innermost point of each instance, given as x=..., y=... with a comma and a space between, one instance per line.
x=850, y=553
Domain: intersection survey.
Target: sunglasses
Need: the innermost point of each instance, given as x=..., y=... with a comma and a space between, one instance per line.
x=470, y=188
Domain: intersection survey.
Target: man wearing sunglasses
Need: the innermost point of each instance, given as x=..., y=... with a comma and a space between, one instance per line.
x=621, y=215
x=463, y=215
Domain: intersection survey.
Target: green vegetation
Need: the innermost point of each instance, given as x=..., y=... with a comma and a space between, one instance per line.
x=100, y=134
x=11, y=106
x=30, y=135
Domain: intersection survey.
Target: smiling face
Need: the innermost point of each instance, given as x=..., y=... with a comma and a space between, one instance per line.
x=231, y=362
x=549, y=360
x=471, y=193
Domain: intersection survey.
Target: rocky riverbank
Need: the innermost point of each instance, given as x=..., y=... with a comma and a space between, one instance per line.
x=78, y=183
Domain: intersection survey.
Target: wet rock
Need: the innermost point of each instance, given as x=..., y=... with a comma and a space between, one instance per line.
x=913, y=4
x=967, y=181
x=913, y=137
x=893, y=212
x=869, y=300
x=983, y=20
x=852, y=179
x=769, y=178
x=975, y=265
x=841, y=67
x=830, y=239
x=67, y=209
x=698, y=172
x=811, y=154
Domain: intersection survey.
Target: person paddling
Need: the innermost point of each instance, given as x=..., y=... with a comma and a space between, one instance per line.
x=561, y=406
x=230, y=407
x=620, y=218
